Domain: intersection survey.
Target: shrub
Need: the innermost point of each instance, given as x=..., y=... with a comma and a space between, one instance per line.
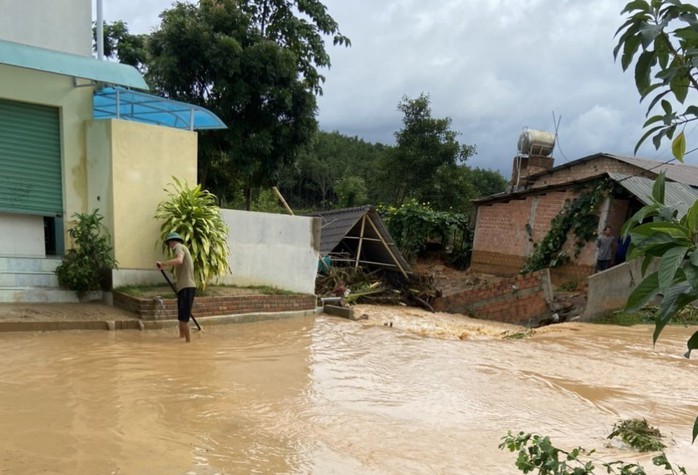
x=195, y=215
x=414, y=226
x=84, y=267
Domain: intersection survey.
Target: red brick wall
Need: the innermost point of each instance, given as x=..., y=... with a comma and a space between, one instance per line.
x=502, y=242
x=519, y=300
x=149, y=309
x=528, y=165
x=587, y=169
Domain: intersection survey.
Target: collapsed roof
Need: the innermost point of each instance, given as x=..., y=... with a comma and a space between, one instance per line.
x=358, y=237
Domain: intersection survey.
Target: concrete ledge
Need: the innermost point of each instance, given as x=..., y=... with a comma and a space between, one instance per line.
x=138, y=324
x=69, y=325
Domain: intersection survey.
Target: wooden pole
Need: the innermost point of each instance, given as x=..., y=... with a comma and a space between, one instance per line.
x=283, y=201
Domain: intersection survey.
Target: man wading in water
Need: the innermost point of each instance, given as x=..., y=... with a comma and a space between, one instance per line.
x=186, y=286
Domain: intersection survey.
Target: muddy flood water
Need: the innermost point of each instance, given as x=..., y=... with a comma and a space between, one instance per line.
x=324, y=395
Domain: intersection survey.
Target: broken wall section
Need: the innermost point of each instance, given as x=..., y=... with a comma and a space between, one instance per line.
x=521, y=300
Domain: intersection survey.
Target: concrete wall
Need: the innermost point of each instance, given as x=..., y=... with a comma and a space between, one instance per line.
x=269, y=250
x=29, y=229
x=129, y=166
x=272, y=250
x=61, y=25
x=609, y=290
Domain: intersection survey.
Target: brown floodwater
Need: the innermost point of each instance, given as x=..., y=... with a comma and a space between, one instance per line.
x=323, y=395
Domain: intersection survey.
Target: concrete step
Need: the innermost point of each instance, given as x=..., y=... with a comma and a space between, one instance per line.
x=37, y=295
x=28, y=279
x=29, y=264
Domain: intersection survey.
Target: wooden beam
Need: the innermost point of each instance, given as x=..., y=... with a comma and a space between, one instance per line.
x=390, y=251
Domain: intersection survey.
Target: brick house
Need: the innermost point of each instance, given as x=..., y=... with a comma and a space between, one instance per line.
x=508, y=225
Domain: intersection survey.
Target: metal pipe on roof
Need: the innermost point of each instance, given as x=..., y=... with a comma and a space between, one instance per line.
x=100, y=30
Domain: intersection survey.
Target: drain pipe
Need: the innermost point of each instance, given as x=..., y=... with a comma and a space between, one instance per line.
x=100, y=31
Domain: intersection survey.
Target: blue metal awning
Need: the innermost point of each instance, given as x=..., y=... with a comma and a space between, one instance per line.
x=66, y=64
x=120, y=103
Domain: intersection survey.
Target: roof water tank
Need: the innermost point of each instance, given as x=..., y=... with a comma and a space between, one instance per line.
x=536, y=142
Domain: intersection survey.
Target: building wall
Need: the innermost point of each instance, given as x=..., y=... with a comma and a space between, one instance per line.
x=502, y=239
x=129, y=166
x=75, y=106
x=60, y=25
x=587, y=169
x=505, y=232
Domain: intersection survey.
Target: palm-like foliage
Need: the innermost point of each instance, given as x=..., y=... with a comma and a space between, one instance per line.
x=195, y=215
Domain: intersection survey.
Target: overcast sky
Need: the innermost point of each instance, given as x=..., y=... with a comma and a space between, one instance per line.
x=492, y=66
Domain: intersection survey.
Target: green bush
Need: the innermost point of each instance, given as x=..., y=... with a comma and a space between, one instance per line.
x=195, y=215
x=85, y=267
x=415, y=226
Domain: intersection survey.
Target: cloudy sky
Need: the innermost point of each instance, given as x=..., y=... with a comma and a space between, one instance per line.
x=493, y=66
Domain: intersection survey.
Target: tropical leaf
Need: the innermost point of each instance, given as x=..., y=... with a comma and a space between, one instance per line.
x=674, y=299
x=678, y=147
x=643, y=293
x=671, y=261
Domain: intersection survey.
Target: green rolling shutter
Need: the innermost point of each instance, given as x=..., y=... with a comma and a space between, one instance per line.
x=30, y=159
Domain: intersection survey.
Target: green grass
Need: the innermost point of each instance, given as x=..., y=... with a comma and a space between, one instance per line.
x=686, y=317
x=211, y=291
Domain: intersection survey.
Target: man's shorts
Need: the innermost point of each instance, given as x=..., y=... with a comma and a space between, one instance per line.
x=185, y=302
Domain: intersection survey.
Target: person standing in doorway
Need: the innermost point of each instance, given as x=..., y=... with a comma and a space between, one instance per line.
x=606, y=245
x=185, y=283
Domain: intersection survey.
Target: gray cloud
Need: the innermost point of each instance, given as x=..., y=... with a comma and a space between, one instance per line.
x=492, y=66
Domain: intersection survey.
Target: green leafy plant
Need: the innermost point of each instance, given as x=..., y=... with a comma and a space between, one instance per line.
x=638, y=434
x=656, y=232
x=579, y=216
x=414, y=226
x=85, y=266
x=195, y=215
x=662, y=33
x=537, y=454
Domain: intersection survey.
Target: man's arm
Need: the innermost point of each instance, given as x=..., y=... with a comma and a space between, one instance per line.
x=175, y=261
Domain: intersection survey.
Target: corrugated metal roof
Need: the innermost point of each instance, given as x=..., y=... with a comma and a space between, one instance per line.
x=678, y=172
x=41, y=59
x=346, y=233
x=678, y=195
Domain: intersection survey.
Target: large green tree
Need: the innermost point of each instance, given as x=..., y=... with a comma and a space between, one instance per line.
x=426, y=149
x=256, y=64
x=663, y=35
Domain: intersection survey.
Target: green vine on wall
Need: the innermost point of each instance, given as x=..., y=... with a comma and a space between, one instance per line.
x=580, y=215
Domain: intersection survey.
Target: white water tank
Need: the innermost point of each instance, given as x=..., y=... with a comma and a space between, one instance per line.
x=536, y=142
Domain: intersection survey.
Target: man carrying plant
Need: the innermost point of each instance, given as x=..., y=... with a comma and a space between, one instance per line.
x=186, y=285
